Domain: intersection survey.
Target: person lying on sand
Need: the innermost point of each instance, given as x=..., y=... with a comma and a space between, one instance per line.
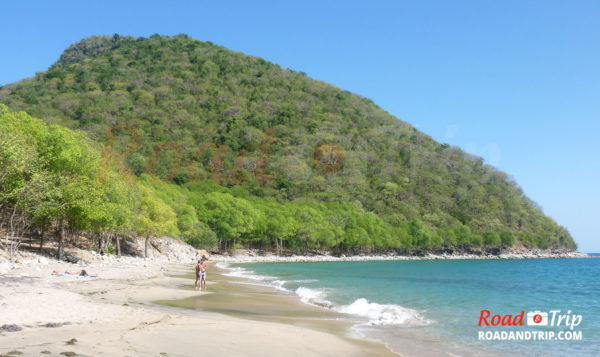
x=73, y=273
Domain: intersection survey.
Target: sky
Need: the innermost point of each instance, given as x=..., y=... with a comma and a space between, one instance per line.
x=516, y=82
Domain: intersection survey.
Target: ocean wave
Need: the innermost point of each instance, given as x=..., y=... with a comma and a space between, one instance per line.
x=313, y=297
x=264, y=280
x=248, y=274
x=382, y=314
x=278, y=284
x=376, y=314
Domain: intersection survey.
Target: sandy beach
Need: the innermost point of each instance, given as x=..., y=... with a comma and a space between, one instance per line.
x=114, y=313
x=132, y=306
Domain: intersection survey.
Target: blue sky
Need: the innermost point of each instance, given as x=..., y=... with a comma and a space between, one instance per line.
x=516, y=82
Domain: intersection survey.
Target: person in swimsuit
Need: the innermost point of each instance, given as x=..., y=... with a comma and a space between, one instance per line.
x=198, y=274
x=203, y=273
x=73, y=273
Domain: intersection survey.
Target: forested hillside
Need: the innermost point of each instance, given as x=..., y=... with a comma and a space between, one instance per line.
x=233, y=150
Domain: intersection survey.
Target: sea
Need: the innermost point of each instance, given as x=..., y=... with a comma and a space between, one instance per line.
x=441, y=302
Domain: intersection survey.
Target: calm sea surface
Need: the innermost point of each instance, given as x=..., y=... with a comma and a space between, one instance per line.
x=440, y=301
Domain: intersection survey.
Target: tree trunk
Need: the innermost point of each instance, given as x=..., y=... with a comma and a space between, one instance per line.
x=75, y=238
x=42, y=239
x=101, y=244
x=146, y=247
x=61, y=240
x=12, y=230
x=109, y=236
x=118, y=246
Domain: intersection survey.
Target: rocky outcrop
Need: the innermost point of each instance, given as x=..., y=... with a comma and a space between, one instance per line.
x=163, y=248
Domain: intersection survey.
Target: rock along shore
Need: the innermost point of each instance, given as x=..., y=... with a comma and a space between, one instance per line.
x=257, y=256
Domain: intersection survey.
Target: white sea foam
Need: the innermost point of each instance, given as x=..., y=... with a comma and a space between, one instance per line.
x=264, y=280
x=305, y=281
x=278, y=284
x=222, y=265
x=313, y=297
x=381, y=314
x=248, y=274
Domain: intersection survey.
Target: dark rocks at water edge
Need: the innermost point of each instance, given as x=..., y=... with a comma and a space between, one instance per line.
x=244, y=255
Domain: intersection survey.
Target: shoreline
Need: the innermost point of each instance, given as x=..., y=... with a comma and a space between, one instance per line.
x=255, y=256
x=400, y=340
x=244, y=298
x=114, y=312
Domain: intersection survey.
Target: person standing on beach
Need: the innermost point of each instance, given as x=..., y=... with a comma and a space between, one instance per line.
x=203, y=268
x=198, y=275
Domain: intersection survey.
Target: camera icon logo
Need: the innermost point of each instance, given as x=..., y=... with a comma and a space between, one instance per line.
x=537, y=318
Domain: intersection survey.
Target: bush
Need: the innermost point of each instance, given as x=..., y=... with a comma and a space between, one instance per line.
x=491, y=239
x=202, y=238
x=507, y=238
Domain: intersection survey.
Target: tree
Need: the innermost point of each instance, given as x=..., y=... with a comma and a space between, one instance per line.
x=230, y=217
x=476, y=240
x=507, y=238
x=491, y=239
x=72, y=165
x=418, y=231
x=22, y=180
x=155, y=217
x=463, y=235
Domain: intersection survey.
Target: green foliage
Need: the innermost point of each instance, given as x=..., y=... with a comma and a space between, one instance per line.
x=155, y=217
x=476, y=240
x=419, y=233
x=211, y=119
x=507, y=238
x=491, y=239
x=48, y=174
x=463, y=235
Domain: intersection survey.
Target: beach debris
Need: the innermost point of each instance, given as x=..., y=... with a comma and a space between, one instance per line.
x=13, y=353
x=71, y=341
x=141, y=325
x=45, y=352
x=55, y=324
x=11, y=328
x=69, y=353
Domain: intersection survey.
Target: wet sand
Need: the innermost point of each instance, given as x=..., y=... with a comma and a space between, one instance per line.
x=237, y=298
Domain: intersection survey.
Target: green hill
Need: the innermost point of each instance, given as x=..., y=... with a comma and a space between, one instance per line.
x=249, y=153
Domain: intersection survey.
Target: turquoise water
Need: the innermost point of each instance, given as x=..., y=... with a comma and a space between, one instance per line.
x=441, y=300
